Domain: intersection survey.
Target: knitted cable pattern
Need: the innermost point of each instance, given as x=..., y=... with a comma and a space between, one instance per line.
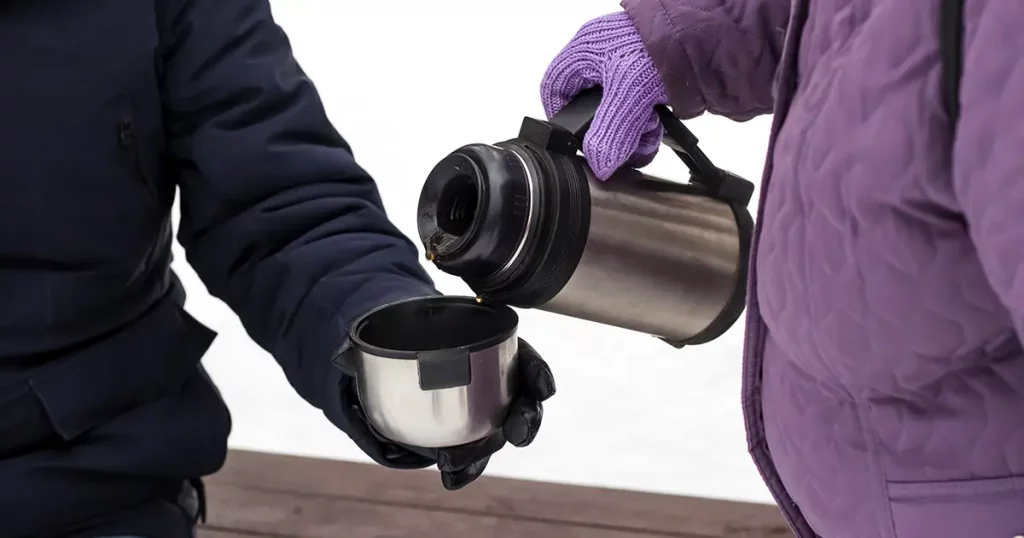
x=608, y=52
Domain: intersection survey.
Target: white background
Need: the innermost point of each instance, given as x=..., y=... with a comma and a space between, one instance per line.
x=408, y=81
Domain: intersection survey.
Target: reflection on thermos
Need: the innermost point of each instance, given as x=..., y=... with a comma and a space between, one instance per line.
x=525, y=223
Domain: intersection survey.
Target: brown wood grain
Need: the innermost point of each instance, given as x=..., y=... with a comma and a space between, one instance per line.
x=216, y=533
x=285, y=514
x=374, y=501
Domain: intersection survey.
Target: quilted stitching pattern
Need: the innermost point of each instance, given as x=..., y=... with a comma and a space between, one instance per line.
x=697, y=45
x=885, y=371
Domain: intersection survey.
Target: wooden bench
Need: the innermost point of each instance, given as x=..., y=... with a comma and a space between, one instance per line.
x=274, y=496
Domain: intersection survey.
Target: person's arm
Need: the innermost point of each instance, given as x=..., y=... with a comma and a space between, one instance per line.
x=277, y=218
x=988, y=151
x=718, y=56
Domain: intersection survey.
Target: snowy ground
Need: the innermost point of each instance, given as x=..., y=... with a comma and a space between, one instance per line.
x=407, y=81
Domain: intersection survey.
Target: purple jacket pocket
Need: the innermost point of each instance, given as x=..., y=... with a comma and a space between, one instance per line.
x=981, y=508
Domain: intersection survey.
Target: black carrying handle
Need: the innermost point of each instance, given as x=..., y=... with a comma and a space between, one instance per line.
x=577, y=116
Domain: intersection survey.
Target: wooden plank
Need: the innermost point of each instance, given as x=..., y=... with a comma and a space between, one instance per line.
x=215, y=533
x=293, y=516
x=532, y=503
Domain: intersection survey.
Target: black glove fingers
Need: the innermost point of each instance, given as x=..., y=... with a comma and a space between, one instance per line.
x=459, y=479
x=461, y=465
x=535, y=377
x=463, y=457
x=523, y=421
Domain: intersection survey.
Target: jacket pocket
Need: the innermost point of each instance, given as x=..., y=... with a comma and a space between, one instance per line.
x=981, y=508
x=137, y=364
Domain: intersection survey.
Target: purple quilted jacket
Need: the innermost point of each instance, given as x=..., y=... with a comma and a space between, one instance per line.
x=884, y=375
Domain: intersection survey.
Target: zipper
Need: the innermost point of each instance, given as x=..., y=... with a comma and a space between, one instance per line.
x=128, y=141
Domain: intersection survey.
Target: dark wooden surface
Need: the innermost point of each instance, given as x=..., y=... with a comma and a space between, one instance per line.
x=274, y=496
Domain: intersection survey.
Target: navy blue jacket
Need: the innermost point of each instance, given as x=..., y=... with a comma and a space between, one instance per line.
x=108, y=107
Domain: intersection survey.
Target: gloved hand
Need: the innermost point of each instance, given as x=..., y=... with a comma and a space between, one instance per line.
x=608, y=52
x=463, y=464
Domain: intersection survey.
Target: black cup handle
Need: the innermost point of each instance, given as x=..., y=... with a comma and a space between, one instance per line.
x=444, y=369
x=577, y=115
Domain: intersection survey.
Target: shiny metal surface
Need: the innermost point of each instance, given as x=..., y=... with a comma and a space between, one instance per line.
x=656, y=260
x=395, y=405
x=534, y=209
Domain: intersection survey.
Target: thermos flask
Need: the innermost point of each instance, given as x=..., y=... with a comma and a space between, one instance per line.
x=525, y=223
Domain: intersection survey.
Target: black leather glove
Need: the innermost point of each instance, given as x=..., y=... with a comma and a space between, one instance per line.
x=463, y=464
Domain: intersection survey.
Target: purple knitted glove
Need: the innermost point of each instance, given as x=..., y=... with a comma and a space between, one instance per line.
x=608, y=52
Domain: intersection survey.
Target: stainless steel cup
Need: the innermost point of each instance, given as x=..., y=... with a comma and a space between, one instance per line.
x=436, y=372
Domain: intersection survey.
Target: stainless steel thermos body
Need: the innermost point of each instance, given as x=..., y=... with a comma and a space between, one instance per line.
x=655, y=260
x=525, y=223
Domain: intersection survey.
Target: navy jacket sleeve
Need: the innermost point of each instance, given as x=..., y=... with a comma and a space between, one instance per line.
x=277, y=218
